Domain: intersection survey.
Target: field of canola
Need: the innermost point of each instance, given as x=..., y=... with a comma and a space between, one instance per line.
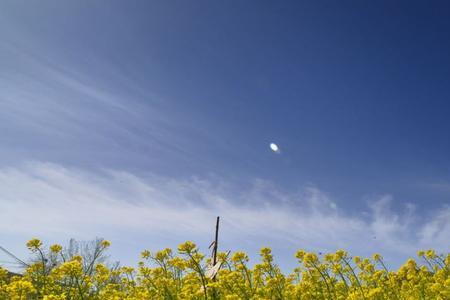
x=56, y=274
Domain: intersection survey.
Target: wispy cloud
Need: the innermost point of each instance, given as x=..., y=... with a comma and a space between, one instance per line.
x=43, y=96
x=49, y=107
x=49, y=200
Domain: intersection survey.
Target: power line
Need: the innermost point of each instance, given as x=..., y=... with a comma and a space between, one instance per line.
x=18, y=260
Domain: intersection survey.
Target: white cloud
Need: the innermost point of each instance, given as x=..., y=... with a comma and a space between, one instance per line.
x=54, y=202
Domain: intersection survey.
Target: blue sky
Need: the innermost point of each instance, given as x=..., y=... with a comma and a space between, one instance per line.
x=141, y=121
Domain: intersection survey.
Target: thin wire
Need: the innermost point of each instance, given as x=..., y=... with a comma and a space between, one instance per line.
x=13, y=256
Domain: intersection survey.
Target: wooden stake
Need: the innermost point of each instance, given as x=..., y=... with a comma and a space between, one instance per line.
x=216, y=241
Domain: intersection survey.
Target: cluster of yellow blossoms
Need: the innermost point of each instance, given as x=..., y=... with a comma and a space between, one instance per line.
x=55, y=275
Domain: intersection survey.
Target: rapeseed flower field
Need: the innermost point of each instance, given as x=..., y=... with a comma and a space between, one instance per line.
x=186, y=273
